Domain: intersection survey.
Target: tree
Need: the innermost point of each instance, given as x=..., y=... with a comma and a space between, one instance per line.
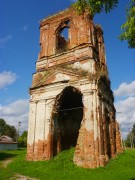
x=130, y=141
x=22, y=140
x=127, y=141
x=128, y=27
x=95, y=6
x=2, y=126
x=133, y=130
x=98, y=6
x=8, y=130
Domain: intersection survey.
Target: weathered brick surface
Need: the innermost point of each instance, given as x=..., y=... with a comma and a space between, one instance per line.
x=71, y=101
x=118, y=139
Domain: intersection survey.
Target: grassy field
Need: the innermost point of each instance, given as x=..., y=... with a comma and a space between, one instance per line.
x=62, y=168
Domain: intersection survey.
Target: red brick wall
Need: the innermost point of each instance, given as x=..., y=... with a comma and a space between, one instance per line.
x=77, y=27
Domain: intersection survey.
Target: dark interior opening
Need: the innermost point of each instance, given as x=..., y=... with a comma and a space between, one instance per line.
x=67, y=119
x=108, y=133
x=62, y=37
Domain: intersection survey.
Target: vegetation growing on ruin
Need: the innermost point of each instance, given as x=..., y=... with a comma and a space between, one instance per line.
x=98, y=6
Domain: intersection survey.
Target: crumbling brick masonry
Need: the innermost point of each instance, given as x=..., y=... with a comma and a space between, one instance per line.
x=71, y=101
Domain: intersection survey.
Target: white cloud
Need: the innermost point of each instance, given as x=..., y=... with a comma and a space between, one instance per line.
x=125, y=89
x=125, y=106
x=7, y=78
x=126, y=114
x=16, y=112
x=4, y=40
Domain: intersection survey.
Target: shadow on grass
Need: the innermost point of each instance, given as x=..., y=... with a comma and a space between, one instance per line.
x=21, y=149
x=4, y=156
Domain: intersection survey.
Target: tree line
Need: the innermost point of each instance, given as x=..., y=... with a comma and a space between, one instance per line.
x=6, y=129
x=11, y=131
x=130, y=141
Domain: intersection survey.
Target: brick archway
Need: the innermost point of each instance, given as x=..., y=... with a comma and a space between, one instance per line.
x=67, y=117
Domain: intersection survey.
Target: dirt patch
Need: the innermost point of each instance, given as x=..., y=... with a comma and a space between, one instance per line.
x=16, y=176
x=6, y=162
x=21, y=177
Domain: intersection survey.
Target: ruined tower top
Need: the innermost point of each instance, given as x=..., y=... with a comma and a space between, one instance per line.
x=63, y=34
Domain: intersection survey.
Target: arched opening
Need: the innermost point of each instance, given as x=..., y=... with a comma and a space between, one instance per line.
x=62, y=37
x=67, y=117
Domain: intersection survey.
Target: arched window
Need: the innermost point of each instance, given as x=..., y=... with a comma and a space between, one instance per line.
x=62, y=37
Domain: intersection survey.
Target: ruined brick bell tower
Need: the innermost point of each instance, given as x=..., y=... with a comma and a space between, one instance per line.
x=71, y=102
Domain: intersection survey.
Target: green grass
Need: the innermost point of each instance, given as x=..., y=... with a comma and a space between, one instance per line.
x=62, y=167
x=6, y=173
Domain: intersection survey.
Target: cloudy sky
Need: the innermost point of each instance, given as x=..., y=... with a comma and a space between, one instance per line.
x=19, y=48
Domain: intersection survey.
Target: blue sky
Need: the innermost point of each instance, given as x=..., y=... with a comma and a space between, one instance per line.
x=19, y=48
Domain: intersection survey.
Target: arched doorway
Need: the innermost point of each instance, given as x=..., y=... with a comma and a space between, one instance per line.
x=67, y=117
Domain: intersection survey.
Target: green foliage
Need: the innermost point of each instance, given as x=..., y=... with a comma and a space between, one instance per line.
x=45, y=73
x=6, y=129
x=2, y=125
x=2, y=122
x=133, y=129
x=128, y=140
x=95, y=6
x=98, y=6
x=22, y=140
x=6, y=173
x=128, y=27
